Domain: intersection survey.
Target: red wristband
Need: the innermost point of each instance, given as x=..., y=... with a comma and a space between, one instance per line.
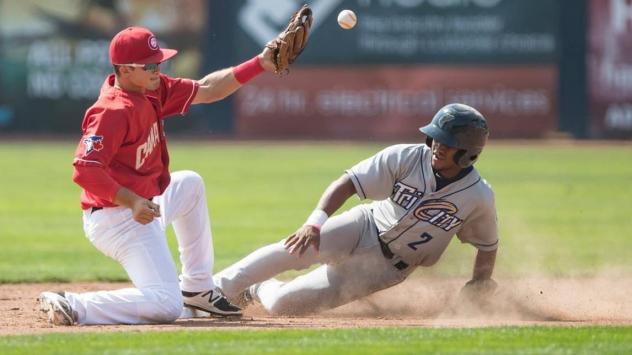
x=247, y=70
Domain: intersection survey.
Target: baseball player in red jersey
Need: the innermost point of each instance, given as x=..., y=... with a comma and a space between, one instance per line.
x=129, y=196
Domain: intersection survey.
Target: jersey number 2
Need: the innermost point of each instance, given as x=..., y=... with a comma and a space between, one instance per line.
x=425, y=238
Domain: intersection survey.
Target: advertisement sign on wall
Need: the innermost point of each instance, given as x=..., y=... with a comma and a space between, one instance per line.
x=392, y=102
x=55, y=54
x=403, y=61
x=414, y=31
x=610, y=67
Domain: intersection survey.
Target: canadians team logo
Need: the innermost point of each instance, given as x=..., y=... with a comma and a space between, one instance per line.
x=153, y=42
x=93, y=143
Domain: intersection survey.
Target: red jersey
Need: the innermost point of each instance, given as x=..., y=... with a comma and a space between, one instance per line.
x=123, y=141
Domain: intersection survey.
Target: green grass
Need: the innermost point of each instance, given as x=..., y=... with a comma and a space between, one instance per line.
x=562, y=210
x=530, y=340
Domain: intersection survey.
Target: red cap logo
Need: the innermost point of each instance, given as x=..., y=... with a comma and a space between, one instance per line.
x=137, y=45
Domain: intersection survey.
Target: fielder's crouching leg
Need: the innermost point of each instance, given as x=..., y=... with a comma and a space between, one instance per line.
x=167, y=308
x=160, y=304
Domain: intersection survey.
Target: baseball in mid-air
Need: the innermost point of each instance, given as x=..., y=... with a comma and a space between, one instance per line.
x=347, y=19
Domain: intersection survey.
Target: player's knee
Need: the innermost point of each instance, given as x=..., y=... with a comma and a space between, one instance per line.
x=194, y=182
x=188, y=178
x=190, y=184
x=168, y=306
x=192, y=177
x=172, y=310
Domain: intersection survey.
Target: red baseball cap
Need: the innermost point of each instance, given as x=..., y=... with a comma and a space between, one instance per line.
x=137, y=45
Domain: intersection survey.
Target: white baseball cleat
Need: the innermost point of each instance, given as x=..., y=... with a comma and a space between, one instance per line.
x=212, y=301
x=57, y=308
x=189, y=313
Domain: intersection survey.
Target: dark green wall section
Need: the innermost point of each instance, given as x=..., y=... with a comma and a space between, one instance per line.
x=573, y=90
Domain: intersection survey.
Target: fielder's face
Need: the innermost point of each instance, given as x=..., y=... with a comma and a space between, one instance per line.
x=146, y=78
x=443, y=160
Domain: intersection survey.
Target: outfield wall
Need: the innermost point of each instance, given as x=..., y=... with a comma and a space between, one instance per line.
x=527, y=65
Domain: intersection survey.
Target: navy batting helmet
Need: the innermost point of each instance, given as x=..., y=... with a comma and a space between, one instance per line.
x=459, y=126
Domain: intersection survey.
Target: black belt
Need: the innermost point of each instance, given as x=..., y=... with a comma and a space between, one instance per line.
x=94, y=209
x=386, y=251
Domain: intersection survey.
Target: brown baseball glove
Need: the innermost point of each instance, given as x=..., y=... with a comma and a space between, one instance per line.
x=291, y=42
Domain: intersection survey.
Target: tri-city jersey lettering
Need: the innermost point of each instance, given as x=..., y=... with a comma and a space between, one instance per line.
x=439, y=213
x=445, y=221
x=405, y=195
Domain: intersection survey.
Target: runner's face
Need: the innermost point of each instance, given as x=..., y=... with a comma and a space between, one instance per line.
x=443, y=159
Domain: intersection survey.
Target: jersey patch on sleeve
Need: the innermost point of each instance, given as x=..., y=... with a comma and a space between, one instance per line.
x=92, y=143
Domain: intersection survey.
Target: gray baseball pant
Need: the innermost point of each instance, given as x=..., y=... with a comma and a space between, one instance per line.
x=353, y=266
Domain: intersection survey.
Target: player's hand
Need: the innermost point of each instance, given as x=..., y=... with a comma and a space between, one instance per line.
x=144, y=211
x=305, y=236
x=478, y=292
x=291, y=42
x=266, y=59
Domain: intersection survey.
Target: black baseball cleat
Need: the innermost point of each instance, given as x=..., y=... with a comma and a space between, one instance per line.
x=212, y=301
x=57, y=308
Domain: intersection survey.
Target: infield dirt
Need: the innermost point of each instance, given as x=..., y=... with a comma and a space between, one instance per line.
x=418, y=302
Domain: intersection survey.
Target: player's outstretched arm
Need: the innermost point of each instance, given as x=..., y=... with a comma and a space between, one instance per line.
x=336, y=194
x=222, y=83
x=276, y=56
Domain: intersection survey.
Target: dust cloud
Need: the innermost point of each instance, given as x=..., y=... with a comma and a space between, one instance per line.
x=600, y=298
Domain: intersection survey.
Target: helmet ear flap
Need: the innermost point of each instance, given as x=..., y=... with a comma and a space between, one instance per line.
x=460, y=158
x=463, y=159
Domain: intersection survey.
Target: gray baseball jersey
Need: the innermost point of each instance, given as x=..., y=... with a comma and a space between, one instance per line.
x=415, y=221
x=408, y=215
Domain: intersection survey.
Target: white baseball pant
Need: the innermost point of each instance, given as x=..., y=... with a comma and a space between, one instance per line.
x=143, y=252
x=353, y=267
